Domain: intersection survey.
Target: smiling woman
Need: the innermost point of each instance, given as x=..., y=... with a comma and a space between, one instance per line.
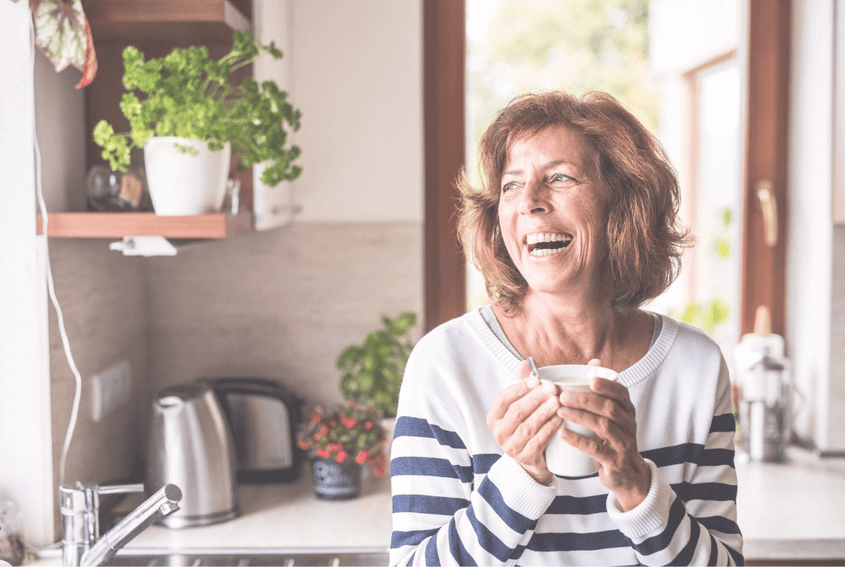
x=550, y=203
x=606, y=146
x=574, y=227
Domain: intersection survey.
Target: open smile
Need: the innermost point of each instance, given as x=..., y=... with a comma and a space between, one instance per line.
x=547, y=243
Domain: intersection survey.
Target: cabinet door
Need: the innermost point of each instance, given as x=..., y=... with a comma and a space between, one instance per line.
x=764, y=243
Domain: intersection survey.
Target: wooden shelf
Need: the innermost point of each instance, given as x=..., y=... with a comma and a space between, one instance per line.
x=191, y=21
x=118, y=225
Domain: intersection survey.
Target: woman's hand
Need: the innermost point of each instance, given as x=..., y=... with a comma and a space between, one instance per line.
x=607, y=411
x=523, y=419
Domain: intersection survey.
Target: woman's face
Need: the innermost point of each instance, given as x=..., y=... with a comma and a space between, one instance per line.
x=552, y=211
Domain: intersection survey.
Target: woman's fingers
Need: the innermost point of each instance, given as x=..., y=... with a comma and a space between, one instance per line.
x=530, y=435
x=606, y=398
x=527, y=413
x=611, y=434
x=614, y=390
x=509, y=395
x=607, y=411
x=523, y=419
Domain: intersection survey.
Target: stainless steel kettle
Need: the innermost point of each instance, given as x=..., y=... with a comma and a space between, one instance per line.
x=191, y=446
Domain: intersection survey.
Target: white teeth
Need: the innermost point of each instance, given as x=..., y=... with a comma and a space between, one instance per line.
x=539, y=252
x=546, y=237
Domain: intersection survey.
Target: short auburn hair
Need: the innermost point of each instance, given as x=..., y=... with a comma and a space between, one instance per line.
x=645, y=239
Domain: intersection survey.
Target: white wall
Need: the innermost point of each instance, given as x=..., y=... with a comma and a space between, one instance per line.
x=809, y=226
x=357, y=77
x=25, y=449
x=704, y=29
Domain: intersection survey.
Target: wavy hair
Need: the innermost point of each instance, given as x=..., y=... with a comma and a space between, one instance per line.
x=644, y=236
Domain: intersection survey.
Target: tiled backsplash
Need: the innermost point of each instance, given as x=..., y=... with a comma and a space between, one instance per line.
x=280, y=304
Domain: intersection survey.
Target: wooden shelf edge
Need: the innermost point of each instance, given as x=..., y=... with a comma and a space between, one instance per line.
x=131, y=21
x=118, y=225
x=115, y=12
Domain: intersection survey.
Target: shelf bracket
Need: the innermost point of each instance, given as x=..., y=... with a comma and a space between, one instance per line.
x=144, y=246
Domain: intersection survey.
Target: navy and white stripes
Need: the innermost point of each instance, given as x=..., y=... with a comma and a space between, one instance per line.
x=458, y=501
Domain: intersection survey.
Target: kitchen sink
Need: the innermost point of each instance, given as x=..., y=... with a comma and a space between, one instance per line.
x=249, y=557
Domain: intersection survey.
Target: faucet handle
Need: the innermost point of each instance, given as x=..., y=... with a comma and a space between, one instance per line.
x=120, y=488
x=80, y=496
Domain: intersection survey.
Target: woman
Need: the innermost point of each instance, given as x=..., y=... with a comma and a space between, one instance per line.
x=574, y=228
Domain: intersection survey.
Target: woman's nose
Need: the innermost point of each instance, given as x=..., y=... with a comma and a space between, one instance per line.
x=534, y=198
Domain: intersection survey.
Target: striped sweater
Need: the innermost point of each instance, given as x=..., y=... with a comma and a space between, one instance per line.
x=458, y=500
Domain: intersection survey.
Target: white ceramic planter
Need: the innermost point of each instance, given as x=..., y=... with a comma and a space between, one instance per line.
x=183, y=184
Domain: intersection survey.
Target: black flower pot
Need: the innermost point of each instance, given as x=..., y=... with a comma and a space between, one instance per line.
x=336, y=481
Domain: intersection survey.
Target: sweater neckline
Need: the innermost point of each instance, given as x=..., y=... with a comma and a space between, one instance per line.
x=629, y=377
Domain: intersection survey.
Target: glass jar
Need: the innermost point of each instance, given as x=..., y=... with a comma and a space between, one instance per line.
x=107, y=190
x=11, y=533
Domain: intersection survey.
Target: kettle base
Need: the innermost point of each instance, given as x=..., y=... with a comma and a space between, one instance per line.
x=177, y=522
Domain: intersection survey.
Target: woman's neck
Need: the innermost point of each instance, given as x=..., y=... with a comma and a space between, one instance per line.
x=574, y=330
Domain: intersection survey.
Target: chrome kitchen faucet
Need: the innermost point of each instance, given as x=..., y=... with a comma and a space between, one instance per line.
x=80, y=507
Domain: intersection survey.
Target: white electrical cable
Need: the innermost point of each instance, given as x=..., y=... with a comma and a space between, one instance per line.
x=50, y=288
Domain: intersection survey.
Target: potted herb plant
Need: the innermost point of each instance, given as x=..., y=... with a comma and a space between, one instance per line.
x=190, y=119
x=372, y=371
x=340, y=442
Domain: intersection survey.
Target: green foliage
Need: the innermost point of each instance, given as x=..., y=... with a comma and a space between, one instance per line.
x=722, y=241
x=372, y=371
x=706, y=316
x=189, y=95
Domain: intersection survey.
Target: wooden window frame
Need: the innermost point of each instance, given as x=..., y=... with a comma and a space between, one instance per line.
x=691, y=134
x=444, y=62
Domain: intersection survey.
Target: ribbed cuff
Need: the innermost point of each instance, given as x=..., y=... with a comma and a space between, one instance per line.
x=650, y=516
x=519, y=490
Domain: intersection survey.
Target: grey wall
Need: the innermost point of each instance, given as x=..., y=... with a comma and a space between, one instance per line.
x=102, y=296
x=280, y=304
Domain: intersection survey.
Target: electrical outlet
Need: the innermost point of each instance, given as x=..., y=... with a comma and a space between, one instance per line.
x=111, y=388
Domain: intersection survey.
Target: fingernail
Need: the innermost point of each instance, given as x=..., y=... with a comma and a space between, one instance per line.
x=534, y=372
x=551, y=402
x=532, y=382
x=548, y=388
x=563, y=412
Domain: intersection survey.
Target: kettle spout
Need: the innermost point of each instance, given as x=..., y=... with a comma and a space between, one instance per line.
x=157, y=506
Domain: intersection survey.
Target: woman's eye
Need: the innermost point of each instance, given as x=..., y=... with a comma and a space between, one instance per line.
x=508, y=186
x=561, y=178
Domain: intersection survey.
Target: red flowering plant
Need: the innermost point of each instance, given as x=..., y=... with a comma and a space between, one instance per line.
x=350, y=431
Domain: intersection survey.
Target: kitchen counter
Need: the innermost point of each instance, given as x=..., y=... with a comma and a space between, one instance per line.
x=792, y=510
x=289, y=515
x=787, y=511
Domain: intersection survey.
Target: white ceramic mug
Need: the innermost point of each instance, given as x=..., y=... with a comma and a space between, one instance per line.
x=562, y=458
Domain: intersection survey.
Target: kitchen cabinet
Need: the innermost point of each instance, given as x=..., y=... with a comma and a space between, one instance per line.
x=155, y=27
